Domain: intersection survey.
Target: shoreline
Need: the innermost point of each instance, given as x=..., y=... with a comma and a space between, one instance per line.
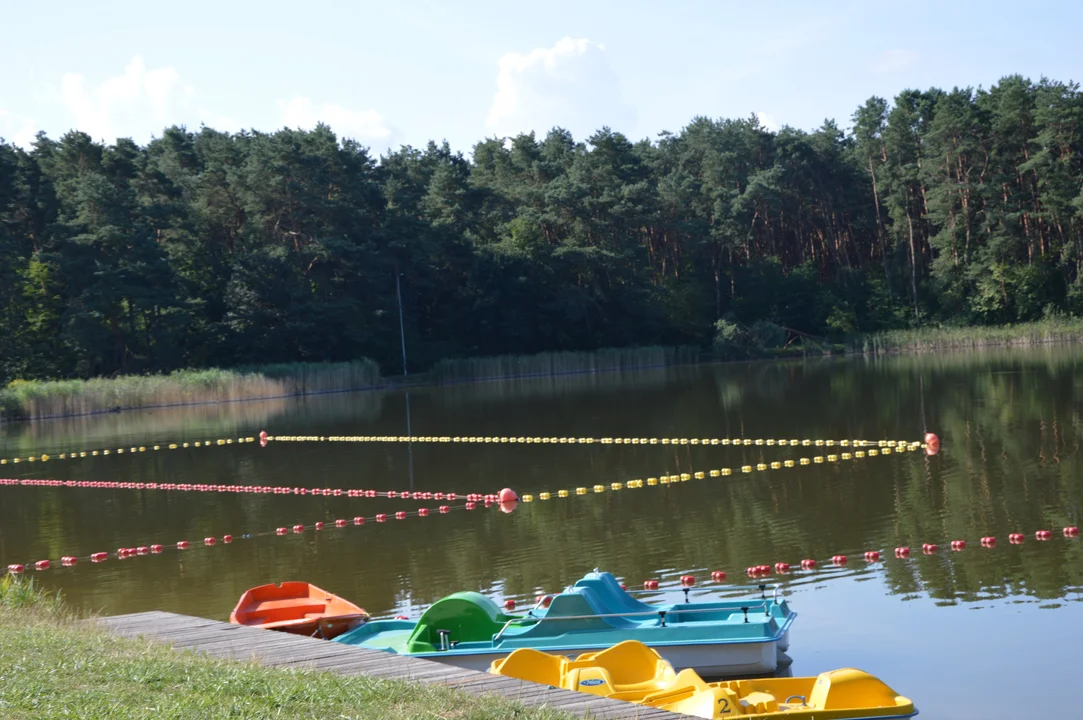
x=894, y=343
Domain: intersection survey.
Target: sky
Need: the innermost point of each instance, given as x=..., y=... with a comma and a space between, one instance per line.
x=402, y=73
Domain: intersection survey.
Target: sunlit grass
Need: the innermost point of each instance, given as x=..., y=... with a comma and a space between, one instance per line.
x=931, y=339
x=33, y=399
x=54, y=667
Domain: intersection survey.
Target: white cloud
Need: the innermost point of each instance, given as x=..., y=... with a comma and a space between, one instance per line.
x=895, y=60
x=17, y=129
x=361, y=125
x=768, y=121
x=137, y=103
x=570, y=84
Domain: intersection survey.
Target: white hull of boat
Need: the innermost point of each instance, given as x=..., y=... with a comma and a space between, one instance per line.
x=716, y=661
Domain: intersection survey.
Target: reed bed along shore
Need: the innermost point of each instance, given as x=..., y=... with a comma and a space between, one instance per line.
x=561, y=363
x=54, y=667
x=933, y=339
x=60, y=398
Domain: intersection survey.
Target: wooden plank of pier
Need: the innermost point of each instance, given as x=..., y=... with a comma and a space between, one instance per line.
x=277, y=649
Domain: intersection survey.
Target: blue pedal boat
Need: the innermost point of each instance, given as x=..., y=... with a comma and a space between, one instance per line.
x=716, y=639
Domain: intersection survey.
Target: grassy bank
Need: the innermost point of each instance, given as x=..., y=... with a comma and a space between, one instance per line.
x=933, y=339
x=52, y=667
x=546, y=364
x=30, y=400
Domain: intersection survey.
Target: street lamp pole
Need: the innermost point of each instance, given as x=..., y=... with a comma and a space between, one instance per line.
x=402, y=337
x=402, y=331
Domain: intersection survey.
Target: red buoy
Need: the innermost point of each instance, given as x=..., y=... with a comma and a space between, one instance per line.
x=15, y=568
x=929, y=548
x=280, y=531
x=470, y=505
x=931, y=439
x=438, y=496
x=445, y=509
x=69, y=560
x=341, y=522
x=401, y=617
x=262, y=434
x=400, y=515
x=99, y=557
x=718, y=576
x=508, y=507
x=650, y=584
x=988, y=541
x=42, y=565
x=839, y=559
x=182, y=545
x=509, y=604
x=1015, y=538
x=208, y=541
x=688, y=580
x=808, y=563
x=1043, y=534
x=298, y=528
x=359, y=520
x=781, y=567
x=958, y=545
x=1071, y=531
x=544, y=600
x=507, y=495
x=156, y=549
x=381, y=517
x=227, y=538
x=902, y=552
x=872, y=556
x=142, y=550
x=451, y=496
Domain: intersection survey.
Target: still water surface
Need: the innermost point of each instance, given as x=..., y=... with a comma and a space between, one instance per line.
x=971, y=634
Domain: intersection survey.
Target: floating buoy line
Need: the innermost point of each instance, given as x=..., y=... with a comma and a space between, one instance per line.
x=547, y=440
x=126, y=553
x=265, y=439
x=717, y=472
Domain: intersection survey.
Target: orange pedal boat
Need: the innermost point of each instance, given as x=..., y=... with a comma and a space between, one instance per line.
x=297, y=607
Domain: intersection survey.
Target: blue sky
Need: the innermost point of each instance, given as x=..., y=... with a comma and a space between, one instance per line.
x=399, y=73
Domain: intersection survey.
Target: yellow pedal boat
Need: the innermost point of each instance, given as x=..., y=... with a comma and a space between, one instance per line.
x=633, y=672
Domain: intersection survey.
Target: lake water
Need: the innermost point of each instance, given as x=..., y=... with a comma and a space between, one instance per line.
x=969, y=634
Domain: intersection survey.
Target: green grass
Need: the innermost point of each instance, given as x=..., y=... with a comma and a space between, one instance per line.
x=932, y=339
x=542, y=364
x=57, y=398
x=53, y=667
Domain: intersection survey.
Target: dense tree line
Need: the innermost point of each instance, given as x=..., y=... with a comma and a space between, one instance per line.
x=211, y=248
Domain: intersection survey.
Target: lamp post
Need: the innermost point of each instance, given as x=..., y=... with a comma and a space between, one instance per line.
x=402, y=331
x=402, y=337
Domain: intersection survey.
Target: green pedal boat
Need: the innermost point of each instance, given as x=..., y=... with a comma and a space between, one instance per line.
x=716, y=639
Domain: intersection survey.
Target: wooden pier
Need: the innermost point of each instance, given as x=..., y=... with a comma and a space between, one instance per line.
x=277, y=649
